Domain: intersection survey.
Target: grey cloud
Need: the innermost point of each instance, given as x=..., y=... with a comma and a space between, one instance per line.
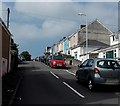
x=61, y=18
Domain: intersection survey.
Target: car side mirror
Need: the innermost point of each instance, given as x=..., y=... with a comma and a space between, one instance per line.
x=80, y=66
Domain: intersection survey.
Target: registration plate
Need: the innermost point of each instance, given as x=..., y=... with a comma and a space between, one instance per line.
x=59, y=64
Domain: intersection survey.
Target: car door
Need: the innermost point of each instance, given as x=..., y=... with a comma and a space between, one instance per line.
x=81, y=70
x=109, y=71
x=88, y=71
x=115, y=69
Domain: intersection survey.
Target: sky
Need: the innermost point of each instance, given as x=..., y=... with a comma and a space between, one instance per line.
x=35, y=25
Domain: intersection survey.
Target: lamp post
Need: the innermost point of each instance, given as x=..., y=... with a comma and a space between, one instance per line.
x=82, y=14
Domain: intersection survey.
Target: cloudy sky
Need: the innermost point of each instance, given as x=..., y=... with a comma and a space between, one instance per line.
x=35, y=25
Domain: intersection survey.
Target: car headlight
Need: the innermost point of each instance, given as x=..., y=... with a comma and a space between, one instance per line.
x=54, y=62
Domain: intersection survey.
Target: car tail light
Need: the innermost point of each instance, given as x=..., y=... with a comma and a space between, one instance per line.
x=96, y=71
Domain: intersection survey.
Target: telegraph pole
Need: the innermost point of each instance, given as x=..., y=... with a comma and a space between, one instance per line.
x=8, y=17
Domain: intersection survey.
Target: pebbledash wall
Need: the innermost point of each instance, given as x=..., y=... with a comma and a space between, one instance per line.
x=0, y=50
x=5, y=48
x=0, y=64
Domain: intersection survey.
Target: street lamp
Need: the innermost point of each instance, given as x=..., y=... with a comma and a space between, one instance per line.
x=82, y=14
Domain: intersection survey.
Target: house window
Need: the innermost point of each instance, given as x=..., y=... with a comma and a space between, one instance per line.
x=113, y=38
x=68, y=52
x=110, y=54
x=75, y=55
x=115, y=54
x=103, y=55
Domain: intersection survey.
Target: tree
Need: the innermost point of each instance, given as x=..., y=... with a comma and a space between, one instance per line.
x=14, y=48
x=47, y=53
x=26, y=55
x=14, y=55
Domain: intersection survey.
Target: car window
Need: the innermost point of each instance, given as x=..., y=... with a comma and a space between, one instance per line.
x=58, y=58
x=90, y=62
x=84, y=63
x=49, y=57
x=107, y=64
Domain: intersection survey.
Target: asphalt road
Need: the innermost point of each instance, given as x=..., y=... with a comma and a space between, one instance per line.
x=44, y=85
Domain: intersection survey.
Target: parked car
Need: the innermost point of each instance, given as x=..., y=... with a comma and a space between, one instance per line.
x=21, y=58
x=37, y=59
x=57, y=61
x=45, y=59
x=48, y=60
x=99, y=71
x=42, y=58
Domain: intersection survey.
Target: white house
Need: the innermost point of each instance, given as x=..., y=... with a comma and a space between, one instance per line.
x=79, y=51
x=61, y=45
x=113, y=51
x=98, y=37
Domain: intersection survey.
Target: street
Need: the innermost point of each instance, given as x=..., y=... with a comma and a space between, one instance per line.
x=44, y=85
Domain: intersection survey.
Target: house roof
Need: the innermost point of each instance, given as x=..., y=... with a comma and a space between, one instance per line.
x=94, y=43
x=62, y=39
x=98, y=26
x=4, y=26
x=105, y=49
x=72, y=34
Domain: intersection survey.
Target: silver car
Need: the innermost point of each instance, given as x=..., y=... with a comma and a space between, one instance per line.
x=99, y=71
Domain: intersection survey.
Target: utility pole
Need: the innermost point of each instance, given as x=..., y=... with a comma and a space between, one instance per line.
x=8, y=16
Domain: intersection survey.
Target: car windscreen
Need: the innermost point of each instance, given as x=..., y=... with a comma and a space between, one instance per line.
x=58, y=58
x=108, y=64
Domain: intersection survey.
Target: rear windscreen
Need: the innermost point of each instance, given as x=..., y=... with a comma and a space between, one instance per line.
x=58, y=58
x=107, y=64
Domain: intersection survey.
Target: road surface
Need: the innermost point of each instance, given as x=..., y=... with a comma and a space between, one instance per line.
x=43, y=85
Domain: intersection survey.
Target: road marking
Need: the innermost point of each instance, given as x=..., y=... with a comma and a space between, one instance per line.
x=70, y=72
x=74, y=90
x=54, y=75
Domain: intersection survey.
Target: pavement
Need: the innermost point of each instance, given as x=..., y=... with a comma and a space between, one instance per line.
x=74, y=65
x=9, y=86
x=72, y=68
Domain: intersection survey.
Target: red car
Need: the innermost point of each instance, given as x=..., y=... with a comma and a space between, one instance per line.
x=57, y=61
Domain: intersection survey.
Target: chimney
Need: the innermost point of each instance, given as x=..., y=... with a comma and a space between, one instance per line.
x=82, y=26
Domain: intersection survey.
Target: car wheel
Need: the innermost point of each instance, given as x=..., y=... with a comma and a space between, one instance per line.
x=91, y=85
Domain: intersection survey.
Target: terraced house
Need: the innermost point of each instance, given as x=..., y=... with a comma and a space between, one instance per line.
x=61, y=46
x=66, y=45
x=98, y=38
x=73, y=42
x=110, y=52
